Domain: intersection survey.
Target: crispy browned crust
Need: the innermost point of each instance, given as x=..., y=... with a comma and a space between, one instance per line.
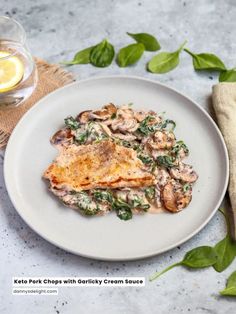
x=101, y=165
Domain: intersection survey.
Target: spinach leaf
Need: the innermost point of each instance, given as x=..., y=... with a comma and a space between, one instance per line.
x=206, y=61
x=226, y=252
x=228, y=76
x=178, y=146
x=81, y=138
x=86, y=204
x=200, y=257
x=102, y=196
x=167, y=122
x=72, y=123
x=186, y=187
x=147, y=160
x=123, y=209
x=166, y=161
x=102, y=54
x=81, y=57
x=145, y=128
x=130, y=54
x=165, y=61
x=230, y=289
x=149, y=41
x=150, y=192
x=138, y=202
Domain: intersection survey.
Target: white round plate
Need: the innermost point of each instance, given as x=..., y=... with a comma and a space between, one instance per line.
x=108, y=238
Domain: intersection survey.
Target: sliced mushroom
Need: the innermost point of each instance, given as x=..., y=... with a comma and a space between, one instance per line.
x=162, y=177
x=124, y=125
x=184, y=173
x=111, y=108
x=125, y=137
x=105, y=113
x=140, y=115
x=63, y=136
x=174, y=198
x=84, y=116
x=162, y=140
x=106, y=129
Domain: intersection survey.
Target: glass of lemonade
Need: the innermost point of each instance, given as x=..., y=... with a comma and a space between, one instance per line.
x=18, y=73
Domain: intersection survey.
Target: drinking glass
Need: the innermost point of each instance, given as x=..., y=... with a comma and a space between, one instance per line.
x=18, y=73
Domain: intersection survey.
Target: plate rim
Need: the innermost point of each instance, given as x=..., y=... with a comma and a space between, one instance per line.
x=91, y=256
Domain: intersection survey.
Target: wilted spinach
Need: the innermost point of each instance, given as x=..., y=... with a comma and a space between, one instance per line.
x=72, y=123
x=166, y=161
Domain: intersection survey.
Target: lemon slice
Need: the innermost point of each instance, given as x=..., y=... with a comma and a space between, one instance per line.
x=11, y=71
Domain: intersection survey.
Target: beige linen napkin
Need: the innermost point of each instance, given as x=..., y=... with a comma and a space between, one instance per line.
x=50, y=77
x=224, y=103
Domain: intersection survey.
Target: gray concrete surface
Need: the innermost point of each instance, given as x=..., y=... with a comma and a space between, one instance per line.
x=56, y=30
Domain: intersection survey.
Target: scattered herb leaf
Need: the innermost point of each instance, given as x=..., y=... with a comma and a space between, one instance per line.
x=149, y=41
x=102, y=54
x=130, y=54
x=200, y=257
x=228, y=76
x=230, y=289
x=165, y=61
x=81, y=57
x=226, y=251
x=206, y=61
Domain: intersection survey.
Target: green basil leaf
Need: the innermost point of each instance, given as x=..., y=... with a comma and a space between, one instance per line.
x=202, y=256
x=226, y=252
x=206, y=61
x=230, y=289
x=165, y=61
x=102, y=54
x=228, y=76
x=150, y=42
x=130, y=54
x=81, y=57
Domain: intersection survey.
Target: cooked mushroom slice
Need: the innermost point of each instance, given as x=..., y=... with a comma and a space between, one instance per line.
x=84, y=116
x=140, y=115
x=162, y=177
x=162, y=140
x=63, y=136
x=105, y=113
x=106, y=129
x=111, y=108
x=125, y=137
x=174, y=197
x=123, y=125
x=184, y=173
